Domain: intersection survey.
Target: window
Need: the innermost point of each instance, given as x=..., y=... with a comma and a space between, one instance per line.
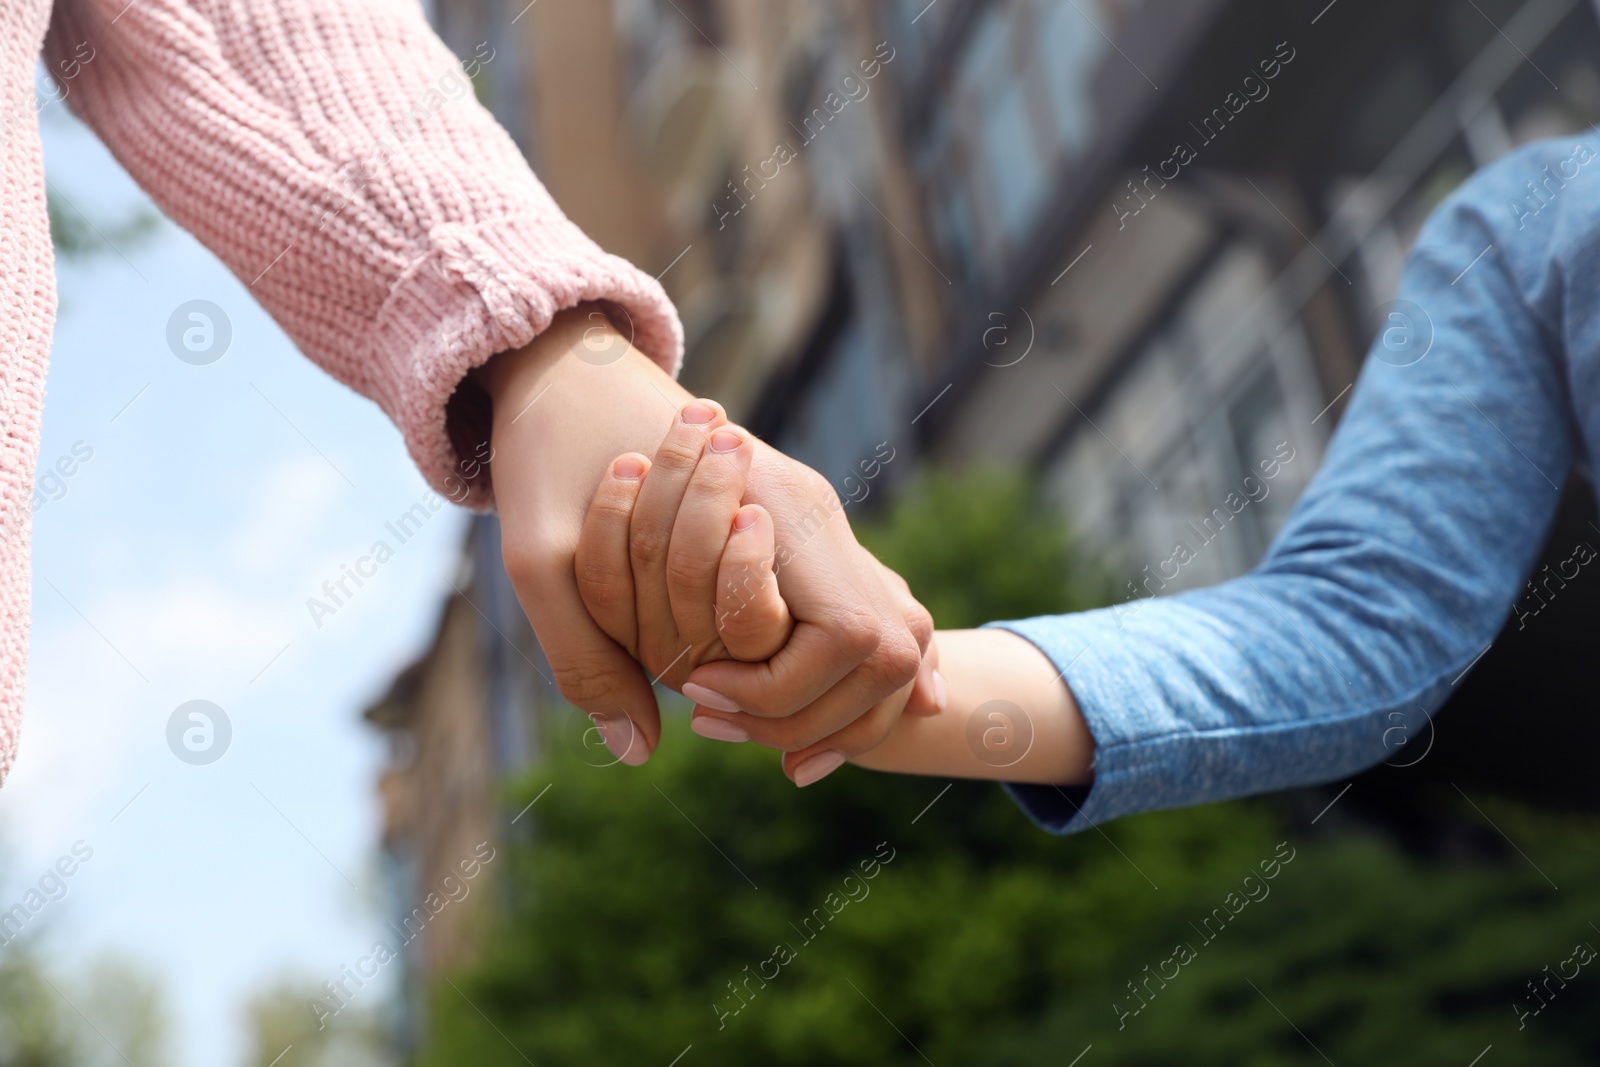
x=1010, y=154
x=847, y=412
x=1018, y=109
x=1070, y=51
x=1199, y=410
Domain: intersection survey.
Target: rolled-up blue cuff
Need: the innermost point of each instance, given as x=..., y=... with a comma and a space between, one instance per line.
x=1116, y=789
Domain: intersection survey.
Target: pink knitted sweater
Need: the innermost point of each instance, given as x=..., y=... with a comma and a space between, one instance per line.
x=394, y=231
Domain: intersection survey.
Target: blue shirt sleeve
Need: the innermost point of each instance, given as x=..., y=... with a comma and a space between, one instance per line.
x=1403, y=558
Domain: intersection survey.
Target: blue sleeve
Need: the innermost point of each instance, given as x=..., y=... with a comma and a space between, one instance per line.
x=1402, y=560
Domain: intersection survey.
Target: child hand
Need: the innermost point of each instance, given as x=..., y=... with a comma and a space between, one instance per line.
x=716, y=553
x=752, y=621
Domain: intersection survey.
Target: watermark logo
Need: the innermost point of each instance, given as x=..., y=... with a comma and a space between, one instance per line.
x=1398, y=736
x=584, y=735
x=198, y=732
x=199, y=332
x=999, y=733
x=1405, y=333
x=997, y=340
x=603, y=344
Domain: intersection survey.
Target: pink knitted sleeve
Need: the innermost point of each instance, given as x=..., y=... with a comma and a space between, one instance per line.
x=333, y=154
x=27, y=310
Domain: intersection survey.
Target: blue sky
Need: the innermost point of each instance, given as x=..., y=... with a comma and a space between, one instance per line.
x=189, y=542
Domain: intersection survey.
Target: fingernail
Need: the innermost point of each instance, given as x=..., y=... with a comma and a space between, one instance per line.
x=718, y=729
x=624, y=740
x=746, y=518
x=941, y=691
x=817, y=768
x=709, y=698
x=628, y=467
x=724, y=441
x=699, y=413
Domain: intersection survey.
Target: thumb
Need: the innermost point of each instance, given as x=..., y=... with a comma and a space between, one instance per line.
x=592, y=671
x=752, y=618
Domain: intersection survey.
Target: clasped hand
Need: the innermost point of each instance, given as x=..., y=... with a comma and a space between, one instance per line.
x=676, y=569
x=724, y=569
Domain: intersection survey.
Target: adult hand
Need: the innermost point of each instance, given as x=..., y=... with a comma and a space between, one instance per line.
x=565, y=406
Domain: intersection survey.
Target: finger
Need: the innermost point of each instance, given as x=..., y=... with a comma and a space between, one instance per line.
x=720, y=727
x=654, y=514
x=917, y=617
x=871, y=645
x=815, y=762
x=929, y=693
x=928, y=696
x=592, y=671
x=602, y=563
x=809, y=664
x=701, y=533
x=843, y=612
x=752, y=617
x=810, y=763
x=862, y=690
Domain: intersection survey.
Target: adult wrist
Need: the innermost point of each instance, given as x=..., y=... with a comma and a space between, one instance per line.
x=519, y=367
x=564, y=407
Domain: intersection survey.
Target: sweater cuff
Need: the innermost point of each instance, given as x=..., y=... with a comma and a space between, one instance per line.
x=488, y=287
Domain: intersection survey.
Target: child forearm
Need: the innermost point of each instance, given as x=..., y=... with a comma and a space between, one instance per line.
x=1009, y=716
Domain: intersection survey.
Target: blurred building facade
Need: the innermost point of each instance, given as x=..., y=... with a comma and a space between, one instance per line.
x=1139, y=247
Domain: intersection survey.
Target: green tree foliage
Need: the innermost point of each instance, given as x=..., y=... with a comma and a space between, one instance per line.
x=979, y=546
x=77, y=237
x=285, y=1031
x=109, y=1012
x=638, y=899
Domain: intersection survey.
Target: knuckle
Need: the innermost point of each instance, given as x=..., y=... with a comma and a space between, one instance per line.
x=687, y=572
x=897, y=662
x=657, y=661
x=584, y=679
x=717, y=480
x=822, y=491
x=921, y=623
x=738, y=622
x=679, y=453
x=859, y=634
x=648, y=543
x=600, y=587
x=764, y=618
x=770, y=625
x=753, y=642
x=610, y=508
x=816, y=483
